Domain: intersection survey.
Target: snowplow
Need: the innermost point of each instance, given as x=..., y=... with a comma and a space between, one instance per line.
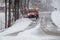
x=32, y=12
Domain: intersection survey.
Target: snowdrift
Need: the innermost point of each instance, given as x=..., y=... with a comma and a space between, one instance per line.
x=19, y=25
x=56, y=18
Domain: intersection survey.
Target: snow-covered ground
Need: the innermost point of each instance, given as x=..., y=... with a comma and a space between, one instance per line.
x=31, y=34
x=35, y=33
x=56, y=18
x=56, y=14
x=2, y=21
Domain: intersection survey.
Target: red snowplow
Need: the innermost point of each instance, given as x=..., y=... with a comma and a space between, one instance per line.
x=32, y=13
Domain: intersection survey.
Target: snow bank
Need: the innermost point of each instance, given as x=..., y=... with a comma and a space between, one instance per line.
x=20, y=25
x=56, y=18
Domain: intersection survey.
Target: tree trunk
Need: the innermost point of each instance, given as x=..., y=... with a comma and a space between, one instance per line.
x=17, y=9
x=9, y=14
x=5, y=13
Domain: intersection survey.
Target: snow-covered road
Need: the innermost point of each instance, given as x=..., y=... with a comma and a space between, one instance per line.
x=32, y=34
x=35, y=33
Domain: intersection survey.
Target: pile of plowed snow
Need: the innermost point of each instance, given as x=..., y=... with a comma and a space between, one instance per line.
x=19, y=25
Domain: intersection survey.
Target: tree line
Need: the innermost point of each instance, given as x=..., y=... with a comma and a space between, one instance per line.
x=13, y=8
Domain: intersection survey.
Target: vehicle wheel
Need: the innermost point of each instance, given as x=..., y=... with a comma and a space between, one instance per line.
x=37, y=16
